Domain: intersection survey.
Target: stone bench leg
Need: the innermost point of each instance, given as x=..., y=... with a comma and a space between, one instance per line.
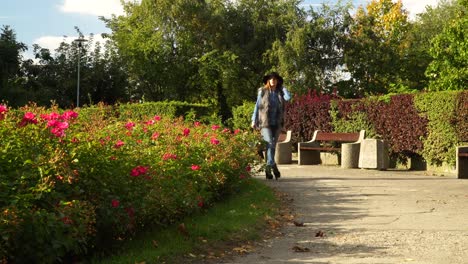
x=283, y=154
x=373, y=154
x=307, y=157
x=462, y=163
x=350, y=155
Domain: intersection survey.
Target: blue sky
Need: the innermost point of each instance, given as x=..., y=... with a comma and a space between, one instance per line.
x=46, y=22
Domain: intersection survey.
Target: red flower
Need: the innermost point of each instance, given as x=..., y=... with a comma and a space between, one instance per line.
x=186, y=132
x=214, y=141
x=155, y=136
x=149, y=122
x=226, y=130
x=157, y=118
x=138, y=170
x=197, y=123
x=119, y=144
x=242, y=176
x=167, y=156
x=70, y=114
x=236, y=131
x=28, y=118
x=248, y=168
x=115, y=203
x=214, y=127
x=3, y=109
x=66, y=220
x=62, y=125
x=51, y=116
x=200, y=201
x=195, y=167
x=129, y=126
x=52, y=123
x=58, y=132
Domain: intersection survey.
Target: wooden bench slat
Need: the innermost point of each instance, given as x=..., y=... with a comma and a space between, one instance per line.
x=463, y=154
x=321, y=148
x=339, y=137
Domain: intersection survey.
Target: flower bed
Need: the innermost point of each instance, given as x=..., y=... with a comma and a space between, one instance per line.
x=69, y=185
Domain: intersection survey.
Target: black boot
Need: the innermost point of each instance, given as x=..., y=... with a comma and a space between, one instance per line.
x=276, y=172
x=269, y=176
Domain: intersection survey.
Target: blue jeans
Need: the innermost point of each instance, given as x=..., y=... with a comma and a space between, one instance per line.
x=270, y=136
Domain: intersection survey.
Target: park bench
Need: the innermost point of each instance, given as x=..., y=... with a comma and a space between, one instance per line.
x=309, y=152
x=462, y=162
x=283, y=154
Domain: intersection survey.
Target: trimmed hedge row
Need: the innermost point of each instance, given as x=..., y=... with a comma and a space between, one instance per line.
x=170, y=109
x=427, y=125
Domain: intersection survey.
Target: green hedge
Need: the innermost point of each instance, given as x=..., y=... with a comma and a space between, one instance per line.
x=427, y=125
x=134, y=111
x=441, y=140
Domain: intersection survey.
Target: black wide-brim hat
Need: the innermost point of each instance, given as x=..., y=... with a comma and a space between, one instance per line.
x=273, y=75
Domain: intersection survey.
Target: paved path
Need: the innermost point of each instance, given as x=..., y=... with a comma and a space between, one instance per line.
x=369, y=216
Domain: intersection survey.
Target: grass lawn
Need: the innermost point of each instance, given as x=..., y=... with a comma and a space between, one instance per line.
x=207, y=235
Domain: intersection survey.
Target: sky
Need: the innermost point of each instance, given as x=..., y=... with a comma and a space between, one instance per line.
x=49, y=22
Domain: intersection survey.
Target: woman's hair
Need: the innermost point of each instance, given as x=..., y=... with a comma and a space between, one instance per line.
x=279, y=83
x=275, y=75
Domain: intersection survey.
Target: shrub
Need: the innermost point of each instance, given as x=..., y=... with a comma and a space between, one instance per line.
x=348, y=116
x=399, y=123
x=68, y=185
x=460, y=120
x=307, y=113
x=242, y=116
x=439, y=109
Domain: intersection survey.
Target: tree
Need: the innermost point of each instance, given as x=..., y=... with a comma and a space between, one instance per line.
x=174, y=43
x=312, y=53
x=418, y=41
x=374, y=55
x=53, y=77
x=10, y=60
x=449, y=69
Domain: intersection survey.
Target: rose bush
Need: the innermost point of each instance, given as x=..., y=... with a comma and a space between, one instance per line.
x=68, y=185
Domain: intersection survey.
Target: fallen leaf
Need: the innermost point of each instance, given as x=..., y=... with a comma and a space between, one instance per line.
x=155, y=243
x=320, y=233
x=297, y=223
x=242, y=249
x=183, y=230
x=300, y=249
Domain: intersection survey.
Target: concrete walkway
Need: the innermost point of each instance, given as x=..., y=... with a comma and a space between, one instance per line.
x=368, y=216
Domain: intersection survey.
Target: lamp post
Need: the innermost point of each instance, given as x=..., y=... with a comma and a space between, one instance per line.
x=79, y=41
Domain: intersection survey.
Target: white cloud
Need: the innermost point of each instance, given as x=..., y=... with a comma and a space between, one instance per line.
x=53, y=42
x=93, y=7
x=417, y=6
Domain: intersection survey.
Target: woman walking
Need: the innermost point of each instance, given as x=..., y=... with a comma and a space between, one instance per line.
x=268, y=116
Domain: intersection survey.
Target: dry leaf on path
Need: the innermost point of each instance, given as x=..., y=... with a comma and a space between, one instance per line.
x=242, y=249
x=300, y=249
x=297, y=223
x=183, y=230
x=320, y=233
x=155, y=243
